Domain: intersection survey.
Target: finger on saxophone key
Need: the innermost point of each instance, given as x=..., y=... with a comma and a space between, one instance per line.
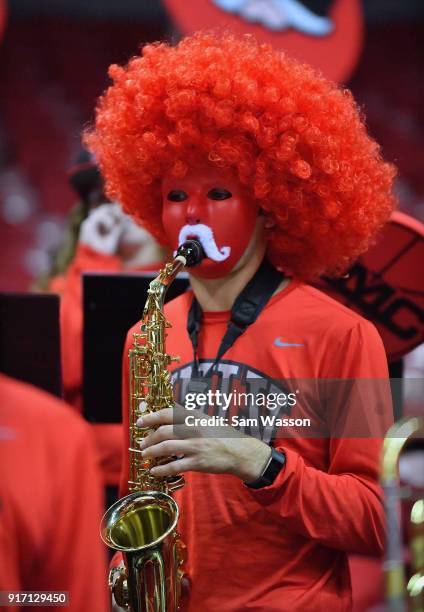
x=146, y=421
x=141, y=441
x=142, y=406
x=164, y=416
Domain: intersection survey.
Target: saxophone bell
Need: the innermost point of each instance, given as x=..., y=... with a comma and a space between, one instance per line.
x=143, y=528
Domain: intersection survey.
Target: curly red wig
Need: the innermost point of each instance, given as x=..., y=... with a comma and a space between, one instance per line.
x=296, y=142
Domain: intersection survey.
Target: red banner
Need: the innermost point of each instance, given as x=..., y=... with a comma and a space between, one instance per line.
x=386, y=285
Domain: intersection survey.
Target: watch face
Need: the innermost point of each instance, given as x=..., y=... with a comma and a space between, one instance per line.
x=273, y=468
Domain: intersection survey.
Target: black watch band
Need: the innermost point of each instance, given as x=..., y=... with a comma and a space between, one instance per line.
x=271, y=471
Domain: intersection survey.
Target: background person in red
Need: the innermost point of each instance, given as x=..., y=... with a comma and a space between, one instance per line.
x=100, y=238
x=51, y=500
x=257, y=156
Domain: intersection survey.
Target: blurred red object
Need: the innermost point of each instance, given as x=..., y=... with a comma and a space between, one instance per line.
x=386, y=285
x=335, y=54
x=3, y=17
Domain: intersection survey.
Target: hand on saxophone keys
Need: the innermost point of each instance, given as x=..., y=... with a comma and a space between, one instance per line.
x=201, y=448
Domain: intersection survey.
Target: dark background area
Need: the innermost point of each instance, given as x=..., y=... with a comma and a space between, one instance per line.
x=375, y=10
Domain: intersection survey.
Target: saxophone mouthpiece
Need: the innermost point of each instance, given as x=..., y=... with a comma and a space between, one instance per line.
x=192, y=251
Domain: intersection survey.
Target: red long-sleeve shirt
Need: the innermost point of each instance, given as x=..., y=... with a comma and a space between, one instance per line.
x=51, y=500
x=285, y=547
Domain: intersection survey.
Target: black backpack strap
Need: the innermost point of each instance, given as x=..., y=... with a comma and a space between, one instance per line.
x=194, y=322
x=246, y=309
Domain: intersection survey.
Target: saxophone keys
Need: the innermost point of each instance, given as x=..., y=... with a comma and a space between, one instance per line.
x=118, y=585
x=181, y=549
x=142, y=407
x=135, y=450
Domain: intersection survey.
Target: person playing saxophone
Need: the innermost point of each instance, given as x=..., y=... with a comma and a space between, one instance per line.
x=269, y=167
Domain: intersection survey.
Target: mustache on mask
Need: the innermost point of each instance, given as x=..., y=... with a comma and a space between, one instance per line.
x=204, y=235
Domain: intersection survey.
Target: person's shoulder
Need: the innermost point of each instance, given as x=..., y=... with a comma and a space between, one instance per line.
x=57, y=284
x=320, y=316
x=37, y=409
x=325, y=308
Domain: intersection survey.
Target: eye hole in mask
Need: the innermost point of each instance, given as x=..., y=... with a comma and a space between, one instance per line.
x=177, y=195
x=218, y=193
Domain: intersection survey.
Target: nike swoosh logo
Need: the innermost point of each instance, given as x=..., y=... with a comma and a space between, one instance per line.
x=281, y=344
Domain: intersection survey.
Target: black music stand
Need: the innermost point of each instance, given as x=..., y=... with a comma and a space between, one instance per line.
x=30, y=339
x=113, y=303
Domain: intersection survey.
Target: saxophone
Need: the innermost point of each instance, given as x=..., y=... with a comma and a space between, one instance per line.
x=143, y=524
x=402, y=595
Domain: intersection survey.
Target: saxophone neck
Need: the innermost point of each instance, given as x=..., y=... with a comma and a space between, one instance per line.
x=189, y=254
x=168, y=273
x=159, y=286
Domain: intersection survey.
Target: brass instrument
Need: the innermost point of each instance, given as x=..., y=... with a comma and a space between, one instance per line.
x=143, y=524
x=399, y=595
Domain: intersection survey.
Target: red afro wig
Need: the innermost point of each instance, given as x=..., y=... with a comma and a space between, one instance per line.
x=295, y=141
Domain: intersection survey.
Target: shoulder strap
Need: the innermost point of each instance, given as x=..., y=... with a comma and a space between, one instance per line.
x=246, y=309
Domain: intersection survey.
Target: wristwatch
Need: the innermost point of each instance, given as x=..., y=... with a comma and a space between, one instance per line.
x=274, y=466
